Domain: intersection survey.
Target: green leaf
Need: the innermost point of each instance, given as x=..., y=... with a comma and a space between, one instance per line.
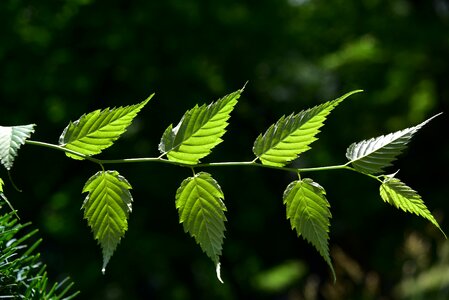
x=396, y=193
x=106, y=209
x=373, y=155
x=199, y=130
x=292, y=135
x=98, y=130
x=201, y=211
x=11, y=138
x=309, y=214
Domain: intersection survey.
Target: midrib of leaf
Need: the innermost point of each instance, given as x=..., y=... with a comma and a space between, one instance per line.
x=308, y=194
x=203, y=130
x=206, y=222
x=297, y=139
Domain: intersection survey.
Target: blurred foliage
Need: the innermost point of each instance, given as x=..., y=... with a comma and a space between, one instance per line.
x=60, y=59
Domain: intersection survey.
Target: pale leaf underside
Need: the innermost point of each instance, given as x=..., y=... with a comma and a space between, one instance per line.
x=292, y=135
x=373, y=155
x=106, y=209
x=396, y=193
x=11, y=138
x=201, y=211
x=98, y=130
x=309, y=214
x=199, y=130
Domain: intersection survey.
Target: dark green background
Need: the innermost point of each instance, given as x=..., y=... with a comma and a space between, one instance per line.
x=60, y=59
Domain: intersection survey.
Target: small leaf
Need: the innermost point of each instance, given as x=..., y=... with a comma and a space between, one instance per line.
x=292, y=135
x=11, y=138
x=106, y=209
x=309, y=214
x=98, y=130
x=373, y=155
x=199, y=131
x=396, y=193
x=201, y=211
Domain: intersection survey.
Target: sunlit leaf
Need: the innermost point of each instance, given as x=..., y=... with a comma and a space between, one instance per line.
x=199, y=130
x=309, y=214
x=106, y=209
x=201, y=211
x=11, y=138
x=374, y=155
x=396, y=193
x=98, y=130
x=292, y=135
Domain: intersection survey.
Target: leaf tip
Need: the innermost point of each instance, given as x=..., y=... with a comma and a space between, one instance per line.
x=334, y=276
x=148, y=99
x=218, y=271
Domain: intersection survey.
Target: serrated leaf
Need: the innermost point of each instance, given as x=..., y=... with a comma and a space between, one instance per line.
x=374, y=155
x=199, y=130
x=292, y=135
x=309, y=214
x=98, y=130
x=106, y=208
x=11, y=138
x=398, y=194
x=201, y=211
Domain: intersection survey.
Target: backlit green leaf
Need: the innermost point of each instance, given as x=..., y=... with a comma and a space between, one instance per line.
x=201, y=211
x=309, y=214
x=292, y=135
x=373, y=155
x=11, y=138
x=199, y=130
x=98, y=130
x=106, y=209
x=396, y=193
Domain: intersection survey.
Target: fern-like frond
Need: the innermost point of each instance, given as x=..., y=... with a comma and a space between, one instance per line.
x=374, y=155
x=201, y=211
x=398, y=194
x=22, y=274
x=106, y=208
x=98, y=130
x=292, y=135
x=199, y=131
x=309, y=214
x=11, y=138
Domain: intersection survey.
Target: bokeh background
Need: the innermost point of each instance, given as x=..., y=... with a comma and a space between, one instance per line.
x=60, y=59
